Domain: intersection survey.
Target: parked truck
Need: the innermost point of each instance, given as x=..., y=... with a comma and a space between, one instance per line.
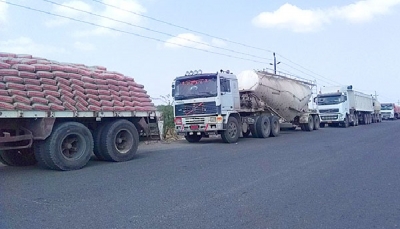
x=343, y=106
x=58, y=114
x=253, y=103
x=390, y=111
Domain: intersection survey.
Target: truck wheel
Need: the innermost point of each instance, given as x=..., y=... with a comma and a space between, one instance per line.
x=69, y=147
x=119, y=141
x=231, y=134
x=97, y=141
x=253, y=128
x=263, y=126
x=193, y=138
x=346, y=122
x=310, y=125
x=317, y=122
x=275, y=127
x=38, y=151
x=19, y=157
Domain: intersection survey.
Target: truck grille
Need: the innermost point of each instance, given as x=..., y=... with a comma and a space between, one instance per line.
x=195, y=108
x=329, y=117
x=329, y=110
x=194, y=120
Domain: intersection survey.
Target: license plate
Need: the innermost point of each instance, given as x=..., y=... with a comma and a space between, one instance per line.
x=194, y=127
x=329, y=121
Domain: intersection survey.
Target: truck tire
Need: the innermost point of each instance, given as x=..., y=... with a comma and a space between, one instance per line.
x=231, y=134
x=69, y=147
x=275, y=127
x=263, y=126
x=346, y=122
x=253, y=128
x=38, y=151
x=97, y=141
x=317, y=122
x=3, y=161
x=310, y=125
x=193, y=138
x=119, y=141
x=19, y=157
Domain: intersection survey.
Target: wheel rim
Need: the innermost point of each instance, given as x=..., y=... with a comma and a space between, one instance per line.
x=123, y=141
x=73, y=146
x=232, y=130
x=265, y=126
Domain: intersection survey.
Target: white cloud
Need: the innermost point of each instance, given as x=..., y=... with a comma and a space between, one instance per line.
x=301, y=20
x=218, y=42
x=188, y=40
x=3, y=13
x=365, y=10
x=118, y=14
x=84, y=46
x=23, y=45
x=291, y=17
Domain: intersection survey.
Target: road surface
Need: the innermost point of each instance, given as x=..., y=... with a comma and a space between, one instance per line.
x=330, y=178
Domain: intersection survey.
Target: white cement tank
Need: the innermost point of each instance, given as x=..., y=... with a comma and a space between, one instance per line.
x=289, y=97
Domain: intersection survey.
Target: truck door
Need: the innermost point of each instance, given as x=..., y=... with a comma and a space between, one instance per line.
x=227, y=102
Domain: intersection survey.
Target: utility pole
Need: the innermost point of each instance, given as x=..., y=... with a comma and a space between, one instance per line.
x=275, y=64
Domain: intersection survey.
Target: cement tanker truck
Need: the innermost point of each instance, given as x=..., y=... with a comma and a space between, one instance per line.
x=254, y=103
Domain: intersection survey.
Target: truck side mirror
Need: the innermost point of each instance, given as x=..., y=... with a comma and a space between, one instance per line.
x=173, y=91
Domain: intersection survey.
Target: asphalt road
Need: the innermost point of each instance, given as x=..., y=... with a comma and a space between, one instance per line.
x=330, y=178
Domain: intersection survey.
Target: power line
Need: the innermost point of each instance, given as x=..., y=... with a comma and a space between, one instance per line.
x=181, y=27
x=307, y=70
x=155, y=31
x=130, y=33
x=159, y=40
x=212, y=36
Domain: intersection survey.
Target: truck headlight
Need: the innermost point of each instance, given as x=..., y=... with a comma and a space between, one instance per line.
x=213, y=119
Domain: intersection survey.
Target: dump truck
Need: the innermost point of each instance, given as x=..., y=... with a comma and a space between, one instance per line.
x=254, y=103
x=390, y=111
x=58, y=114
x=343, y=106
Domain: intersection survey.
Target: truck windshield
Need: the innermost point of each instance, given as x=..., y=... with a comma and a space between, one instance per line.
x=199, y=87
x=330, y=100
x=386, y=107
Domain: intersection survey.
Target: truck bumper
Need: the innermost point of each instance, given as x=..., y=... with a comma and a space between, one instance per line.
x=387, y=116
x=331, y=118
x=208, y=129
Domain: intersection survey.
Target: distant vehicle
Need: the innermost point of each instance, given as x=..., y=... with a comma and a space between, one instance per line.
x=253, y=103
x=390, y=111
x=342, y=106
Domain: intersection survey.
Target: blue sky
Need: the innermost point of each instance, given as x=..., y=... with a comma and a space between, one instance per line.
x=338, y=42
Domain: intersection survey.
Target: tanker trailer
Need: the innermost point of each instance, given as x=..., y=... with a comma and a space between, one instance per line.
x=254, y=103
x=285, y=97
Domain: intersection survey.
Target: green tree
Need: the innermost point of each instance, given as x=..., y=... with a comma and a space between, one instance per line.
x=167, y=116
